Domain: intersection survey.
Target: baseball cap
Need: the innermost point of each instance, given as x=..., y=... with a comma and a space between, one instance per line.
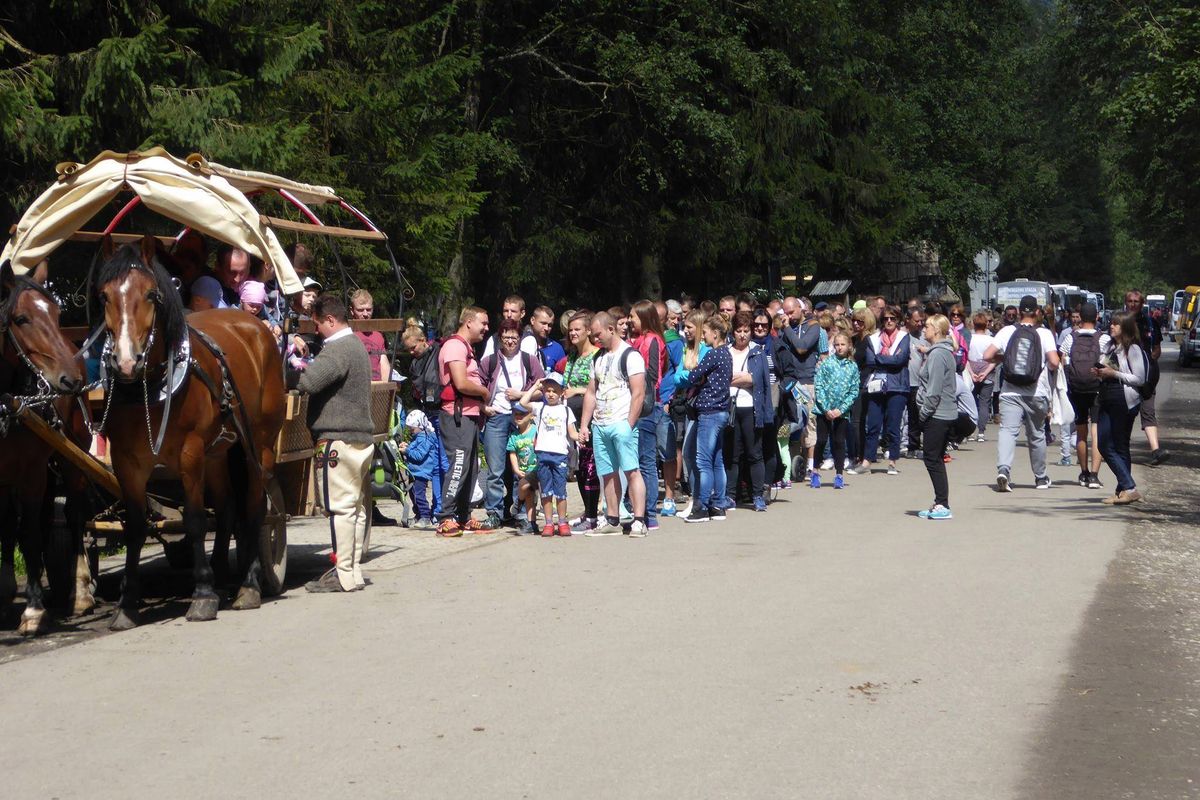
x=858, y=304
x=1029, y=304
x=554, y=378
x=310, y=283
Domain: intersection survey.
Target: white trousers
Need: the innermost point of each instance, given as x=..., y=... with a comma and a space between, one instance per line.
x=342, y=470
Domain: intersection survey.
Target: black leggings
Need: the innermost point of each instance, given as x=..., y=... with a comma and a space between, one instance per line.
x=745, y=442
x=837, y=429
x=937, y=433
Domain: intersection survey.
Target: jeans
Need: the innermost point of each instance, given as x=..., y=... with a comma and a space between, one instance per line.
x=689, y=456
x=1112, y=432
x=499, y=478
x=983, y=404
x=1016, y=410
x=913, y=422
x=647, y=433
x=884, y=411
x=937, y=433
x=710, y=463
x=419, y=495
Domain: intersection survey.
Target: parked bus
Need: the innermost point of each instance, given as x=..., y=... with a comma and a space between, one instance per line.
x=1009, y=293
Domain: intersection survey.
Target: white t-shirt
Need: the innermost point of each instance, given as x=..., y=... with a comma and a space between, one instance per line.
x=552, y=422
x=744, y=397
x=612, y=390
x=979, y=344
x=515, y=371
x=1042, y=387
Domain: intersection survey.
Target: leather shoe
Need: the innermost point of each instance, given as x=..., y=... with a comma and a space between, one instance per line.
x=326, y=583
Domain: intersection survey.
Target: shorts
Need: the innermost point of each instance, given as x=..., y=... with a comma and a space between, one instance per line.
x=1149, y=418
x=667, y=442
x=810, y=430
x=615, y=448
x=1086, y=405
x=552, y=475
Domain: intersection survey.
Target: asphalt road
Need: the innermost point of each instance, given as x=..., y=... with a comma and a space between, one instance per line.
x=1040, y=645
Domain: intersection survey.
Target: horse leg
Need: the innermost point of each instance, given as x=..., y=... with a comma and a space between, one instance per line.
x=195, y=521
x=32, y=548
x=8, y=546
x=128, y=615
x=82, y=600
x=253, y=500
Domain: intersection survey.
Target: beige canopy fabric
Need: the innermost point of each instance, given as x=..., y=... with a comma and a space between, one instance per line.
x=249, y=181
x=190, y=192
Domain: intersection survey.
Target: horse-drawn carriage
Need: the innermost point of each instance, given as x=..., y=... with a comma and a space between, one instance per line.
x=202, y=434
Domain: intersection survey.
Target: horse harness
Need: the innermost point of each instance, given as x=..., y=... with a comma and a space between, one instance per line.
x=42, y=399
x=179, y=366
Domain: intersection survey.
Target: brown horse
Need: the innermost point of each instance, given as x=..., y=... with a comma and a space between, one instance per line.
x=37, y=361
x=219, y=436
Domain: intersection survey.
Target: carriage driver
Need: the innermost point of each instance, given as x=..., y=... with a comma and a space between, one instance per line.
x=339, y=414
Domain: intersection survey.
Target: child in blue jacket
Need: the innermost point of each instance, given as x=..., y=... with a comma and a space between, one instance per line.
x=427, y=463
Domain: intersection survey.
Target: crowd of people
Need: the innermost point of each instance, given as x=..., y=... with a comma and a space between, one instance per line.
x=730, y=402
x=725, y=403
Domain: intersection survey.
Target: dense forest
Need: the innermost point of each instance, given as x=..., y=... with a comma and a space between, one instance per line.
x=607, y=149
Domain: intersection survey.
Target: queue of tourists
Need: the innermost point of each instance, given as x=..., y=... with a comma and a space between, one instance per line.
x=728, y=402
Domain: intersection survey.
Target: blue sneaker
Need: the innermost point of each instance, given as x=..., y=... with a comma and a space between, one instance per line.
x=838, y=483
x=815, y=481
x=668, y=509
x=760, y=504
x=937, y=512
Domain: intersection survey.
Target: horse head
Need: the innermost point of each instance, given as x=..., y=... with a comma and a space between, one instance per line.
x=29, y=321
x=141, y=305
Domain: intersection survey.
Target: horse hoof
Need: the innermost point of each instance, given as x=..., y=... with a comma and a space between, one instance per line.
x=247, y=598
x=124, y=620
x=85, y=604
x=203, y=609
x=31, y=622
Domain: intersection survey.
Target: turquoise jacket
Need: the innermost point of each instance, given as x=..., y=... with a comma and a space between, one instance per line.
x=683, y=375
x=836, y=384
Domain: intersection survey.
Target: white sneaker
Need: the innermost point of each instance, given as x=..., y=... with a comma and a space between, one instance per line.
x=637, y=530
x=827, y=464
x=686, y=512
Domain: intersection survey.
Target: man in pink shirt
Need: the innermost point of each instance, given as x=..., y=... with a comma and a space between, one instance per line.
x=463, y=395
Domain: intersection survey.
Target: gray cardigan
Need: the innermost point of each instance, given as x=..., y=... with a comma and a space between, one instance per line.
x=935, y=395
x=339, y=384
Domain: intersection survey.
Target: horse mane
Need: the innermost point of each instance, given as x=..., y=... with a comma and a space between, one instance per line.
x=21, y=284
x=171, y=311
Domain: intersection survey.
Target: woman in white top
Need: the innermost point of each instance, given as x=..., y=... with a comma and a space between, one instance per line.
x=1123, y=371
x=744, y=436
x=982, y=372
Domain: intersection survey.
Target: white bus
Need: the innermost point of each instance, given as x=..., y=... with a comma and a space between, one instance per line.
x=1009, y=293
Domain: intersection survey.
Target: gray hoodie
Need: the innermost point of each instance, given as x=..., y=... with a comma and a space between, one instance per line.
x=935, y=395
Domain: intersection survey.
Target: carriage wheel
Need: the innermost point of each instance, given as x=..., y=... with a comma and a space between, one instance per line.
x=272, y=542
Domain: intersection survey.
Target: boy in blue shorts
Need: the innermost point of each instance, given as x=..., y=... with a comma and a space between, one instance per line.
x=552, y=442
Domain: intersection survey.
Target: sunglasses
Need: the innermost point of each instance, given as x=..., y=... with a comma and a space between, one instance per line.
x=956, y=314
x=762, y=324
x=890, y=319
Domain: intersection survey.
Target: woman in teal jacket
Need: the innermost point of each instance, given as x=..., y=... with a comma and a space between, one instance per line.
x=835, y=389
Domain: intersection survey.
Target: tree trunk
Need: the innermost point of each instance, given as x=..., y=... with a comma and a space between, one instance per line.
x=650, y=279
x=457, y=273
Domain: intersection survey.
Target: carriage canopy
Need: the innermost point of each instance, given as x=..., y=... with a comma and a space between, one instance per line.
x=206, y=197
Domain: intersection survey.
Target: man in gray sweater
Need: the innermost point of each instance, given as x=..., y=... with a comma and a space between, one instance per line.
x=338, y=382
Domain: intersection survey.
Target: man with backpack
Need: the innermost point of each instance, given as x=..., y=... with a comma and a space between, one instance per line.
x=513, y=308
x=507, y=375
x=1151, y=335
x=1028, y=353
x=611, y=408
x=1081, y=348
x=462, y=397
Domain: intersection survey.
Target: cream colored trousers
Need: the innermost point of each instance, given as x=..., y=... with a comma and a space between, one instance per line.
x=342, y=470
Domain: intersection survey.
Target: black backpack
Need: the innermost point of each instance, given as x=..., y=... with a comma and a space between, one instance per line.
x=426, y=383
x=1023, y=357
x=1085, y=354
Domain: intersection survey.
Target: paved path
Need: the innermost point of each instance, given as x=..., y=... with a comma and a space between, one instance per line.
x=835, y=647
